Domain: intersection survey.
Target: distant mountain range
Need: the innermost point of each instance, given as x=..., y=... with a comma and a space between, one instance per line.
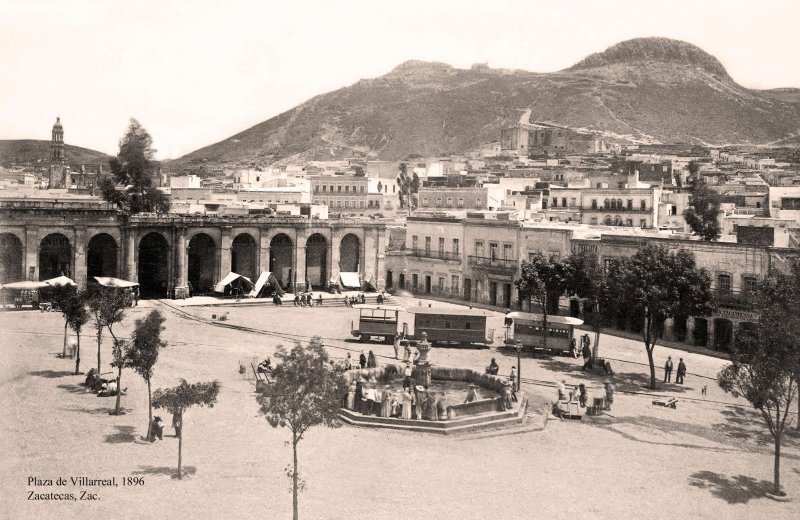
x=653, y=90
x=33, y=150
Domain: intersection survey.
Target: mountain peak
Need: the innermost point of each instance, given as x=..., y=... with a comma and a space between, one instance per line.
x=664, y=50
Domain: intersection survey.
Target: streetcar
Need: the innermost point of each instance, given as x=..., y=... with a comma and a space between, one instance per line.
x=375, y=321
x=450, y=327
x=525, y=329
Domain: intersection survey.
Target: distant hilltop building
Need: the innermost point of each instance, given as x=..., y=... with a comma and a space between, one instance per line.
x=59, y=172
x=528, y=139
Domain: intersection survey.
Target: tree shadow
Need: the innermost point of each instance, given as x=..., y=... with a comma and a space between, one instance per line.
x=623, y=381
x=123, y=435
x=171, y=472
x=736, y=490
x=668, y=426
x=74, y=389
x=52, y=374
x=742, y=423
x=97, y=411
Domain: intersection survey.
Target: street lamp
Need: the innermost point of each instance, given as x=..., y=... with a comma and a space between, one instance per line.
x=518, y=347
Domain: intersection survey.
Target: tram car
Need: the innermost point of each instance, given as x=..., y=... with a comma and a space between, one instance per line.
x=525, y=329
x=456, y=327
x=375, y=321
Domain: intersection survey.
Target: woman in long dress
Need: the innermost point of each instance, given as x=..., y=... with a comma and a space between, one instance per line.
x=371, y=360
x=351, y=396
x=386, y=403
x=407, y=398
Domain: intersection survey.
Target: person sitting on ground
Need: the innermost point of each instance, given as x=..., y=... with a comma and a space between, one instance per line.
x=296, y=300
x=109, y=389
x=91, y=375
x=472, y=394
x=493, y=368
x=310, y=300
x=156, y=429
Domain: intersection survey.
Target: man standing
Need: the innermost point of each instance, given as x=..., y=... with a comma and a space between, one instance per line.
x=681, y=372
x=668, y=370
x=362, y=360
x=407, y=376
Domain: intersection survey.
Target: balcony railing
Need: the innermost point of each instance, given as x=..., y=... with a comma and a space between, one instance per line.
x=618, y=209
x=430, y=253
x=496, y=263
x=736, y=299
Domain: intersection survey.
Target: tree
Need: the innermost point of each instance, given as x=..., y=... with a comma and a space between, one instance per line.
x=307, y=392
x=132, y=187
x=118, y=362
x=77, y=316
x=141, y=352
x=107, y=307
x=409, y=187
x=66, y=299
x=359, y=171
x=765, y=361
x=657, y=285
x=584, y=279
x=178, y=399
x=703, y=212
x=543, y=281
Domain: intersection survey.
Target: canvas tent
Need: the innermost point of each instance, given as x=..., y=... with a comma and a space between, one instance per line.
x=233, y=282
x=264, y=279
x=107, y=281
x=350, y=281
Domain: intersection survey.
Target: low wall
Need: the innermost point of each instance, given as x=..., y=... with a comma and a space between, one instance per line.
x=381, y=373
x=487, y=381
x=475, y=407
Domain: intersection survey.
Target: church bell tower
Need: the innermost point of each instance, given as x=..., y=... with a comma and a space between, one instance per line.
x=58, y=161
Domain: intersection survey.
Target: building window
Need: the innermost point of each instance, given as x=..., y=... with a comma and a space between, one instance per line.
x=629, y=222
x=438, y=201
x=323, y=188
x=643, y=205
x=643, y=223
x=378, y=204
x=564, y=202
x=630, y=203
x=427, y=244
x=454, y=283
x=455, y=246
x=479, y=248
x=361, y=188
x=507, y=251
x=594, y=203
x=441, y=284
x=493, y=250
x=441, y=244
x=414, y=240
x=347, y=204
x=316, y=188
x=478, y=203
x=425, y=201
x=555, y=202
x=749, y=283
x=338, y=189
x=724, y=283
x=347, y=189
x=361, y=204
x=449, y=202
x=573, y=202
x=414, y=282
x=460, y=203
x=607, y=204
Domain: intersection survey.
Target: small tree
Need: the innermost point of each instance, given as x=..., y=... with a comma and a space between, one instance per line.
x=408, y=186
x=141, y=353
x=307, y=392
x=182, y=397
x=77, y=317
x=585, y=280
x=703, y=212
x=108, y=308
x=764, y=369
x=658, y=285
x=543, y=281
x=118, y=355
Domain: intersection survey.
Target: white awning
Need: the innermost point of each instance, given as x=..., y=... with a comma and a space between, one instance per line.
x=230, y=278
x=108, y=281
x=260, y=283
x=350, y=280
x=59, y=281
x=25, y=286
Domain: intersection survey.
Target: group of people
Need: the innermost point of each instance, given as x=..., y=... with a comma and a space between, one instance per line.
x=157, y=427
x=579, y=393
x=102, y=387
x=304, y=300
x=668, y=371
x=415, y=402
x=349, y=301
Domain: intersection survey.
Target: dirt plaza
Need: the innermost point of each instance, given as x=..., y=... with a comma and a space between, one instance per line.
x=709, y=458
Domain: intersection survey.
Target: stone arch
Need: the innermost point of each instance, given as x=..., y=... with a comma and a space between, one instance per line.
x=101, y=256
x=202, y=263
x=55, y=256
x=244, y=256
x=350, y=253
x=316, y=260
x=617, y=220
x=723, y=333
x=11, y=256
x=607, y=221
x=153, y=266
x=280, y=258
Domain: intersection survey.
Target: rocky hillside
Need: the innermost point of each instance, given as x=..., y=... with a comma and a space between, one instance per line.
x=29, y=151
x=646, y=90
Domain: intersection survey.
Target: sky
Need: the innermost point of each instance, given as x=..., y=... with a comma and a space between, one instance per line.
x=196, y=72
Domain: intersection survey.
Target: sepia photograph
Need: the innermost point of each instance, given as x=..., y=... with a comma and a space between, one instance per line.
x=400, y=260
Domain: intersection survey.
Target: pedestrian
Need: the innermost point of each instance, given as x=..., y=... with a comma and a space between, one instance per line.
x=407, y=376
x=372, y=397
x=609, y=395
x=386, y=402
x=319, y=300
x=573, y=348
x=351, y=395
x=362, y=360
x=396, y=345
x=177, y=424
x=513, y=378
x=408, y=400
x=358, y=395
x=407, y=353
x=668, y=370
x=582, y=399
x=681, y=372
x=371, y=360
x=348, y=362
x=586, y=351
x=472, y=394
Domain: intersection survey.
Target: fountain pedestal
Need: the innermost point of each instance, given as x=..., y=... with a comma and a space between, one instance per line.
x=423, y=368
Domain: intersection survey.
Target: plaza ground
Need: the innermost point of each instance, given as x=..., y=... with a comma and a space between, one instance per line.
x=709, y=458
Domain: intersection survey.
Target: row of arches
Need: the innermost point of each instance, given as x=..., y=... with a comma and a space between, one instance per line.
x=153, y=259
